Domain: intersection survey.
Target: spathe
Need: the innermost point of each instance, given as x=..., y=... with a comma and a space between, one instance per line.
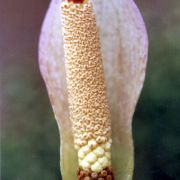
x=124, y=48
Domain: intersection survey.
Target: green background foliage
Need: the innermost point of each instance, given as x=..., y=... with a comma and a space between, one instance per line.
x=29, y=133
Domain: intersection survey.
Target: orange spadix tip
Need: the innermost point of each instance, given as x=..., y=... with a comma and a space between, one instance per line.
x=76, y=1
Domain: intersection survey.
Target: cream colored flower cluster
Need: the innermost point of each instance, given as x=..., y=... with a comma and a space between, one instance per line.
x=95, y=157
